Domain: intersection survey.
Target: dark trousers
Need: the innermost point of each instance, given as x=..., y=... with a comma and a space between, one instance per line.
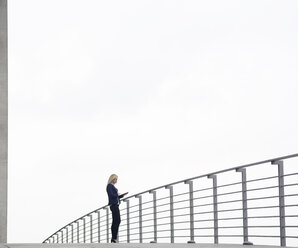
x=116, y=220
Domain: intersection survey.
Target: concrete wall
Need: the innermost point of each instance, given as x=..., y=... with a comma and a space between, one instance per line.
x=3, y=121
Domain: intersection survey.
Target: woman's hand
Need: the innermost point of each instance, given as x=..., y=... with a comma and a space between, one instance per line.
x=122, y=195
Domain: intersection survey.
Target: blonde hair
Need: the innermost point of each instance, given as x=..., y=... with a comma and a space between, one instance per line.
x=111, y=178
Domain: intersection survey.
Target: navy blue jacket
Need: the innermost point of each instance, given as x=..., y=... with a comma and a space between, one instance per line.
x=113, y=194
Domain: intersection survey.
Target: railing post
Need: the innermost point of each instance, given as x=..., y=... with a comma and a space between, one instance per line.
x=62, y=236
x=72, y=233
x=215, y=209
x=171, y=212
x=84, y=228
x=191, y=212
x=127, y=220
x=244, y=206
x=140, y=218
x=154, y=216
x=98, y=227
x=91, y=230
x=78, y=231
x=66, y=229
x=107, y=222
x=282, y=220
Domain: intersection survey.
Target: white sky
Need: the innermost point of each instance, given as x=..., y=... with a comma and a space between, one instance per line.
x=154, y=91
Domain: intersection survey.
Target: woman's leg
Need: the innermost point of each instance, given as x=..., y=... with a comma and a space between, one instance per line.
x=116, y=221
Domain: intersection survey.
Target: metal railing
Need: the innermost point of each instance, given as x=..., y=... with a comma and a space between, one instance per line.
x=251, y=204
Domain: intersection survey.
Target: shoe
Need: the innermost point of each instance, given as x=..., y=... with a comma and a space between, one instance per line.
x=114, y=241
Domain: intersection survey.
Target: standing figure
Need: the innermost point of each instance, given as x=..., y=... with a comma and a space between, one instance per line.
x=114, y=202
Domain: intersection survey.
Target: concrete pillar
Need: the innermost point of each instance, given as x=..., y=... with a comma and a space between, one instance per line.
x=3, y=120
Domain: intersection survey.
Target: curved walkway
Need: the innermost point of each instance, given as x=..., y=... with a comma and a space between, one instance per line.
x=130, y=246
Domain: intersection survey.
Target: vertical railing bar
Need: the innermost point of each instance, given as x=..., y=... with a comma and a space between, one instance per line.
x=244, y=206
x=191, y=212
x=84, y=230
x=154, y=216
x=78, y=232
x=67, y=234
x=170, y=187
x=107, y=220
x=62, y=236
x=215, y=207
x=281, y=192
x=127, y=221
x=98, y=227
x=140, y=219
x=72, y=233
x=91, y=228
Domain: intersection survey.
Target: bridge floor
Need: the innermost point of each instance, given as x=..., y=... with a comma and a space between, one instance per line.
x=131, y=245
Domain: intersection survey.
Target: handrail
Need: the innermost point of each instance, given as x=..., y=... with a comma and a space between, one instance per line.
x=216, y=187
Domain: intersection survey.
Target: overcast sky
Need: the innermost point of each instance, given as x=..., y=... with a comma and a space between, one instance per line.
x=154, y=91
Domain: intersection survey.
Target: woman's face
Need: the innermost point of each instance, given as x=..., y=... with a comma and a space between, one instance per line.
x=115, y=180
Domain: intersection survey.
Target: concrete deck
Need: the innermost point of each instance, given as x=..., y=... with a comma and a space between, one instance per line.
x=158, y=245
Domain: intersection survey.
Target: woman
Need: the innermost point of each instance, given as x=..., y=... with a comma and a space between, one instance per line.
x=114, y=202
